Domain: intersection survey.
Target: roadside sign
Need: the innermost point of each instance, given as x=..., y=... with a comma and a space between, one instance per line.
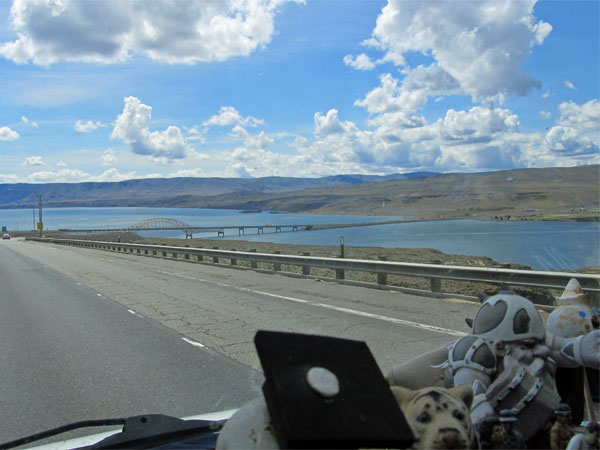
x=40, y=225
x=3, y=228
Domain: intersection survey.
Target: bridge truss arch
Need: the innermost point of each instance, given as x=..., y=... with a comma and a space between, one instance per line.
x=160, y=223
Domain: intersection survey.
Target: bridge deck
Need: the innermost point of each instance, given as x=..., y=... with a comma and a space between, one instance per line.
x=192, y=229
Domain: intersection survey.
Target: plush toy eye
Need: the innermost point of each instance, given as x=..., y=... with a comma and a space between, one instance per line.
x=458, y=414
x=424, y=417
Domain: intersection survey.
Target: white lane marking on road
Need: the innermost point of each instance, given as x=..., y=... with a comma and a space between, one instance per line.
x=133, y=312
x=106, y=259
x=99, y=295
x=332, y=307
x=366, y=314
x=194, y=343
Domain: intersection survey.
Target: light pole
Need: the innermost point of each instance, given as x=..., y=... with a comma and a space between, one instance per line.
x=40, y=224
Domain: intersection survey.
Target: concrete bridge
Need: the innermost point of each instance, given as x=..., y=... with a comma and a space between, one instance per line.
x=164, y=223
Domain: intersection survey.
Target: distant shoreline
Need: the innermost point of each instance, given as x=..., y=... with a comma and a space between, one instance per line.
x=423, y=215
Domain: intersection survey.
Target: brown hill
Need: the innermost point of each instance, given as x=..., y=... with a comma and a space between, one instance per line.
x=538, y=193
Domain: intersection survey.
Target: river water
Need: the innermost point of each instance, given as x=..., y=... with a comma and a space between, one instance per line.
x=540, y=245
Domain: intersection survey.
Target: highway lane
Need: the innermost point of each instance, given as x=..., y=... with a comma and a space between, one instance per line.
x=223, y=307
x=90, y=333
x=68, y=353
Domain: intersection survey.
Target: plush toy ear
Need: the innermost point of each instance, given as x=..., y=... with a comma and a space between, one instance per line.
x=402, y=394
x=463, y=392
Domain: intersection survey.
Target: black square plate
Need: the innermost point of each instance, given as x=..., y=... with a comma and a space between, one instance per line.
x=363, y=414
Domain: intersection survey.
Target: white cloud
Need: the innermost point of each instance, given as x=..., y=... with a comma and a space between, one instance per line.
x=360, y=62
x=76, y=176
x=114, y=175
x=73, y=176
x=546, y=95
x=570, y=85
x=195, y=134
x=89, y=126
x=246, y=163
x=239, y=132
x=476, y=126
x=198, y=172
x=108, y=157
x=241, y=171
x=192, y=154
x=61, y=164
x=586, y=116
x=26, y=121
x=34, y=161
x=479, y=138
x=329, y=123
x=133, y=127
x=60, y=176
x=260, y=141
x=228, y=115
x=6, y=134
x=398, y=101
x=184, y=32
x=471, y=140
x=494, y=38
x=546, y=114
x=577, y=133
x=10, y=178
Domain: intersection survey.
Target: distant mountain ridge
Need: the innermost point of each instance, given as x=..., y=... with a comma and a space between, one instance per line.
x=549, y=193
x=171, y=191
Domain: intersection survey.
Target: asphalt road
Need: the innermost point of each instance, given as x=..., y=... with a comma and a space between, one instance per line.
x=90, y=333
x=67, y=353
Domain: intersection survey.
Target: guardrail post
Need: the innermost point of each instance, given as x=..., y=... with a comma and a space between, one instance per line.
x=175, y=255
x=154, y=252
x=382, y=277
x=216, y=258
x=305, y=269
x=233, y=261
x=164, y=254
x=145, y=251
x=277, y=266
x=436, y=285
x=339, y=273
x=253, y=264
x=200, y=258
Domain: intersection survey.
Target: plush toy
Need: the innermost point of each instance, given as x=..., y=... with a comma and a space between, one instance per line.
x=561, y=432
x=490, y=434
x=511, y=437
x=439, y=417
x=588, y=440
x=572, y=318
x=509, y=360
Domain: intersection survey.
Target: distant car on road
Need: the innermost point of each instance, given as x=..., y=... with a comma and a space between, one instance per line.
x=6, y=236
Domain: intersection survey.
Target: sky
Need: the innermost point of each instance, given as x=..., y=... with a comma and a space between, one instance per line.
x=111, y=90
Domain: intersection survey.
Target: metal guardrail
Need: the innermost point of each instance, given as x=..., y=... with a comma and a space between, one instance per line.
x=435, y=272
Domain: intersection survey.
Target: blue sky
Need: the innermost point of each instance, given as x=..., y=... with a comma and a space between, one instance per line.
x=111, y=90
